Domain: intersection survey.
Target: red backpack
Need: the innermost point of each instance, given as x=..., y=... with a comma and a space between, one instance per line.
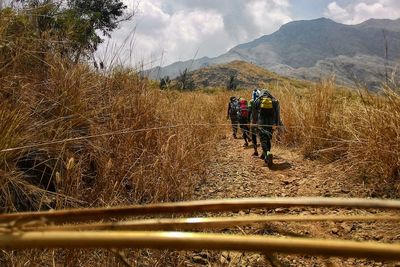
x=244, y=109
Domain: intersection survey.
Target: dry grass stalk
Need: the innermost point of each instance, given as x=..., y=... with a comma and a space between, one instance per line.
x=210, y=223
x=81, y=215
x=196, y=241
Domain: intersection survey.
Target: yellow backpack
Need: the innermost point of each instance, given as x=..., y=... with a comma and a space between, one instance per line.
x=266, y=103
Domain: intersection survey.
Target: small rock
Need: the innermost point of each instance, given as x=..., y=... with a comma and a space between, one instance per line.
x=335, y=231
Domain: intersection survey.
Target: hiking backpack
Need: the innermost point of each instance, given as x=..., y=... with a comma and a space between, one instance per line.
x=266, y=106
x=266, y=103
x=235, y=108
x=244, y=109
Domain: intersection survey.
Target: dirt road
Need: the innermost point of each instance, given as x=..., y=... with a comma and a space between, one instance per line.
x=234, y=173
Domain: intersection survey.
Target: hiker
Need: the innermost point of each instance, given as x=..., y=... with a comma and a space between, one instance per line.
x=253, y=127
x=233, y=114
x=244, y=120
x=256, y=94
x=268, y=112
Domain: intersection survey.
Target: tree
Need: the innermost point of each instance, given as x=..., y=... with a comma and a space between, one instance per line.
x=77, y=23
x=232, y=83
x=92, y=16
x=165, y=83
x=184, y=81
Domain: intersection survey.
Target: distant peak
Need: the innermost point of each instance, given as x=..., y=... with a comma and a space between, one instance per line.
x=322, y=19
x=374, y=20
x=318, y=21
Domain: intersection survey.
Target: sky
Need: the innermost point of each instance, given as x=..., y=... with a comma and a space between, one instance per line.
x=166, y=31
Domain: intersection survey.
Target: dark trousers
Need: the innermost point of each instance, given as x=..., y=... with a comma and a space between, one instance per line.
x=254, y=135
x=265, y=133
x=244, y=126
x=235, y=125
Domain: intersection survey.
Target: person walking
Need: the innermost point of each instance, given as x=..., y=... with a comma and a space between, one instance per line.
x=253, y=127
x=244, y=121
x=268, y=112
x=233, y=114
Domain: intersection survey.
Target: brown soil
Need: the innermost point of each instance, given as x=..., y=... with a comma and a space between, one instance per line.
x=234, y=173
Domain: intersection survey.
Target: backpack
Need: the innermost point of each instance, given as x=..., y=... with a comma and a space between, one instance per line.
x=235, y=108
x=244, y=110
x=266, y=103
x=266, y=106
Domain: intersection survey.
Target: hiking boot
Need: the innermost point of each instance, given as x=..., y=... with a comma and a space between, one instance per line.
x=246, y=144
x=255, y=154
x=234, y=136
x=262, y=156
x=269, y=160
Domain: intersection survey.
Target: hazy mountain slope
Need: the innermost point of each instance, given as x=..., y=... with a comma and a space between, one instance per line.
x=362, y=70
x=247, y=75
x=386, y=24
x=304, y=43
x=300, y=48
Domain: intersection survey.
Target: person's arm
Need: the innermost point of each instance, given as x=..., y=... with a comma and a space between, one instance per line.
x=277, y=112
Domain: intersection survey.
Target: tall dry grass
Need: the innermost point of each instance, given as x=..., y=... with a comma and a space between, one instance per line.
x=141, y=161
x=74, y=137
x=89, y=138
x=355, y=129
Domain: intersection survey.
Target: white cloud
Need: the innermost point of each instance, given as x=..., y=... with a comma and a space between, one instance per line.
x=264, y=18
x=361, y=10
x=181, y=29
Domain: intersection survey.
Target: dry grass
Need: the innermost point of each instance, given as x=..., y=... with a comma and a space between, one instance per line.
x=46, y=99
x=91, y=139
x=357, y=130
x=124, y=167
x=152, y=165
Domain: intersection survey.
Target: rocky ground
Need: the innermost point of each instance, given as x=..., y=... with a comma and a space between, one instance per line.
x=234, y=173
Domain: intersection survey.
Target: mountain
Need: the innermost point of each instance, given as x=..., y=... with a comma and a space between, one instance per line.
x=246, y=75
x=315, y=49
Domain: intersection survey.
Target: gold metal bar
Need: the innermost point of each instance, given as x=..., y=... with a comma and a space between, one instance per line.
x=210, y=223
x=195, y=241
x=81, y=215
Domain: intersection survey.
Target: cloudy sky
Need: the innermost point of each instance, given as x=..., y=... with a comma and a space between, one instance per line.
x=165, y=31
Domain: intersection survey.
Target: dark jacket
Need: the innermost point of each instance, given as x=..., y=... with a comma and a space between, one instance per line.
x=231, y=112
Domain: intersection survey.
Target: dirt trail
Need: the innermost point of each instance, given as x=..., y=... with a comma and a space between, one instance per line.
x=234, y=173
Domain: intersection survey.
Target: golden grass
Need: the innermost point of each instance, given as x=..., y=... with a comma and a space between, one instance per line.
x=132, y=167
x=106, y=161
x=358, y=130
x=155, y=165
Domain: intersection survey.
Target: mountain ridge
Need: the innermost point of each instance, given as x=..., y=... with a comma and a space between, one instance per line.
x=301, y=48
